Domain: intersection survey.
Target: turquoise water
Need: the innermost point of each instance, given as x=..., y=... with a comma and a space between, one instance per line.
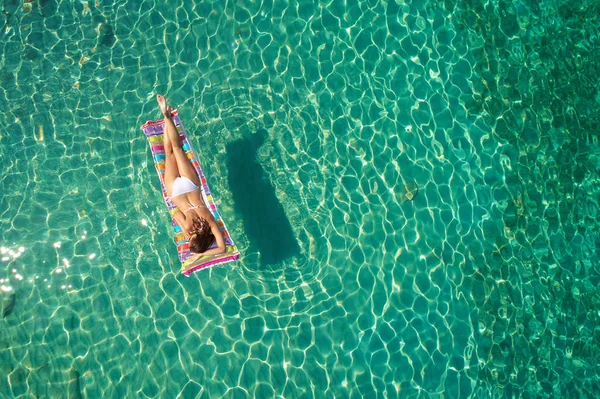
x=430, y=168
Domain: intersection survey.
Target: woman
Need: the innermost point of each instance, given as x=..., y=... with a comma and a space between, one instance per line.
x=183, y=186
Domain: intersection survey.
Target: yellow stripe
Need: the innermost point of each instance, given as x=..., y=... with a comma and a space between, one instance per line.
x=156, y=139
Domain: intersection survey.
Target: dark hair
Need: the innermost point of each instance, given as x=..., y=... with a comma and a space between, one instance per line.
x=204, y=236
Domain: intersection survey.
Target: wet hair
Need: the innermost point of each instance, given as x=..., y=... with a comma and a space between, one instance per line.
x=203, y=238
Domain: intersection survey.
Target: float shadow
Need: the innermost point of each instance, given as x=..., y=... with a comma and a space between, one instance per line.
x=265, y=222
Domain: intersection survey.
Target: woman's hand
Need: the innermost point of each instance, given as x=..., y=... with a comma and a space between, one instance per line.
x=184, y=223
x=187, y=227
x=188, y=234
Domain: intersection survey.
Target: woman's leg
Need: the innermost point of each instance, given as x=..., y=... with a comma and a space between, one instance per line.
x=171, y=168
x=183, y=163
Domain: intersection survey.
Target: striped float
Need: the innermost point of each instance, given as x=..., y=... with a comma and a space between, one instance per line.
x=154, y=133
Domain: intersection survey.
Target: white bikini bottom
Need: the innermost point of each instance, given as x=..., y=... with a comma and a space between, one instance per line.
x=183, y=185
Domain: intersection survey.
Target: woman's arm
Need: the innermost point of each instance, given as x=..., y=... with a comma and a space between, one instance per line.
x=183, y=222
x=216, y=230
x=214, y=251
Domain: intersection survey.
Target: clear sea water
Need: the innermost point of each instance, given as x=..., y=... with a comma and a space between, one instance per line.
x=413, y=186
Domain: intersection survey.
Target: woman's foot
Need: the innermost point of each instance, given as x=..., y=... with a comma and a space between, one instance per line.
x=162, y=103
